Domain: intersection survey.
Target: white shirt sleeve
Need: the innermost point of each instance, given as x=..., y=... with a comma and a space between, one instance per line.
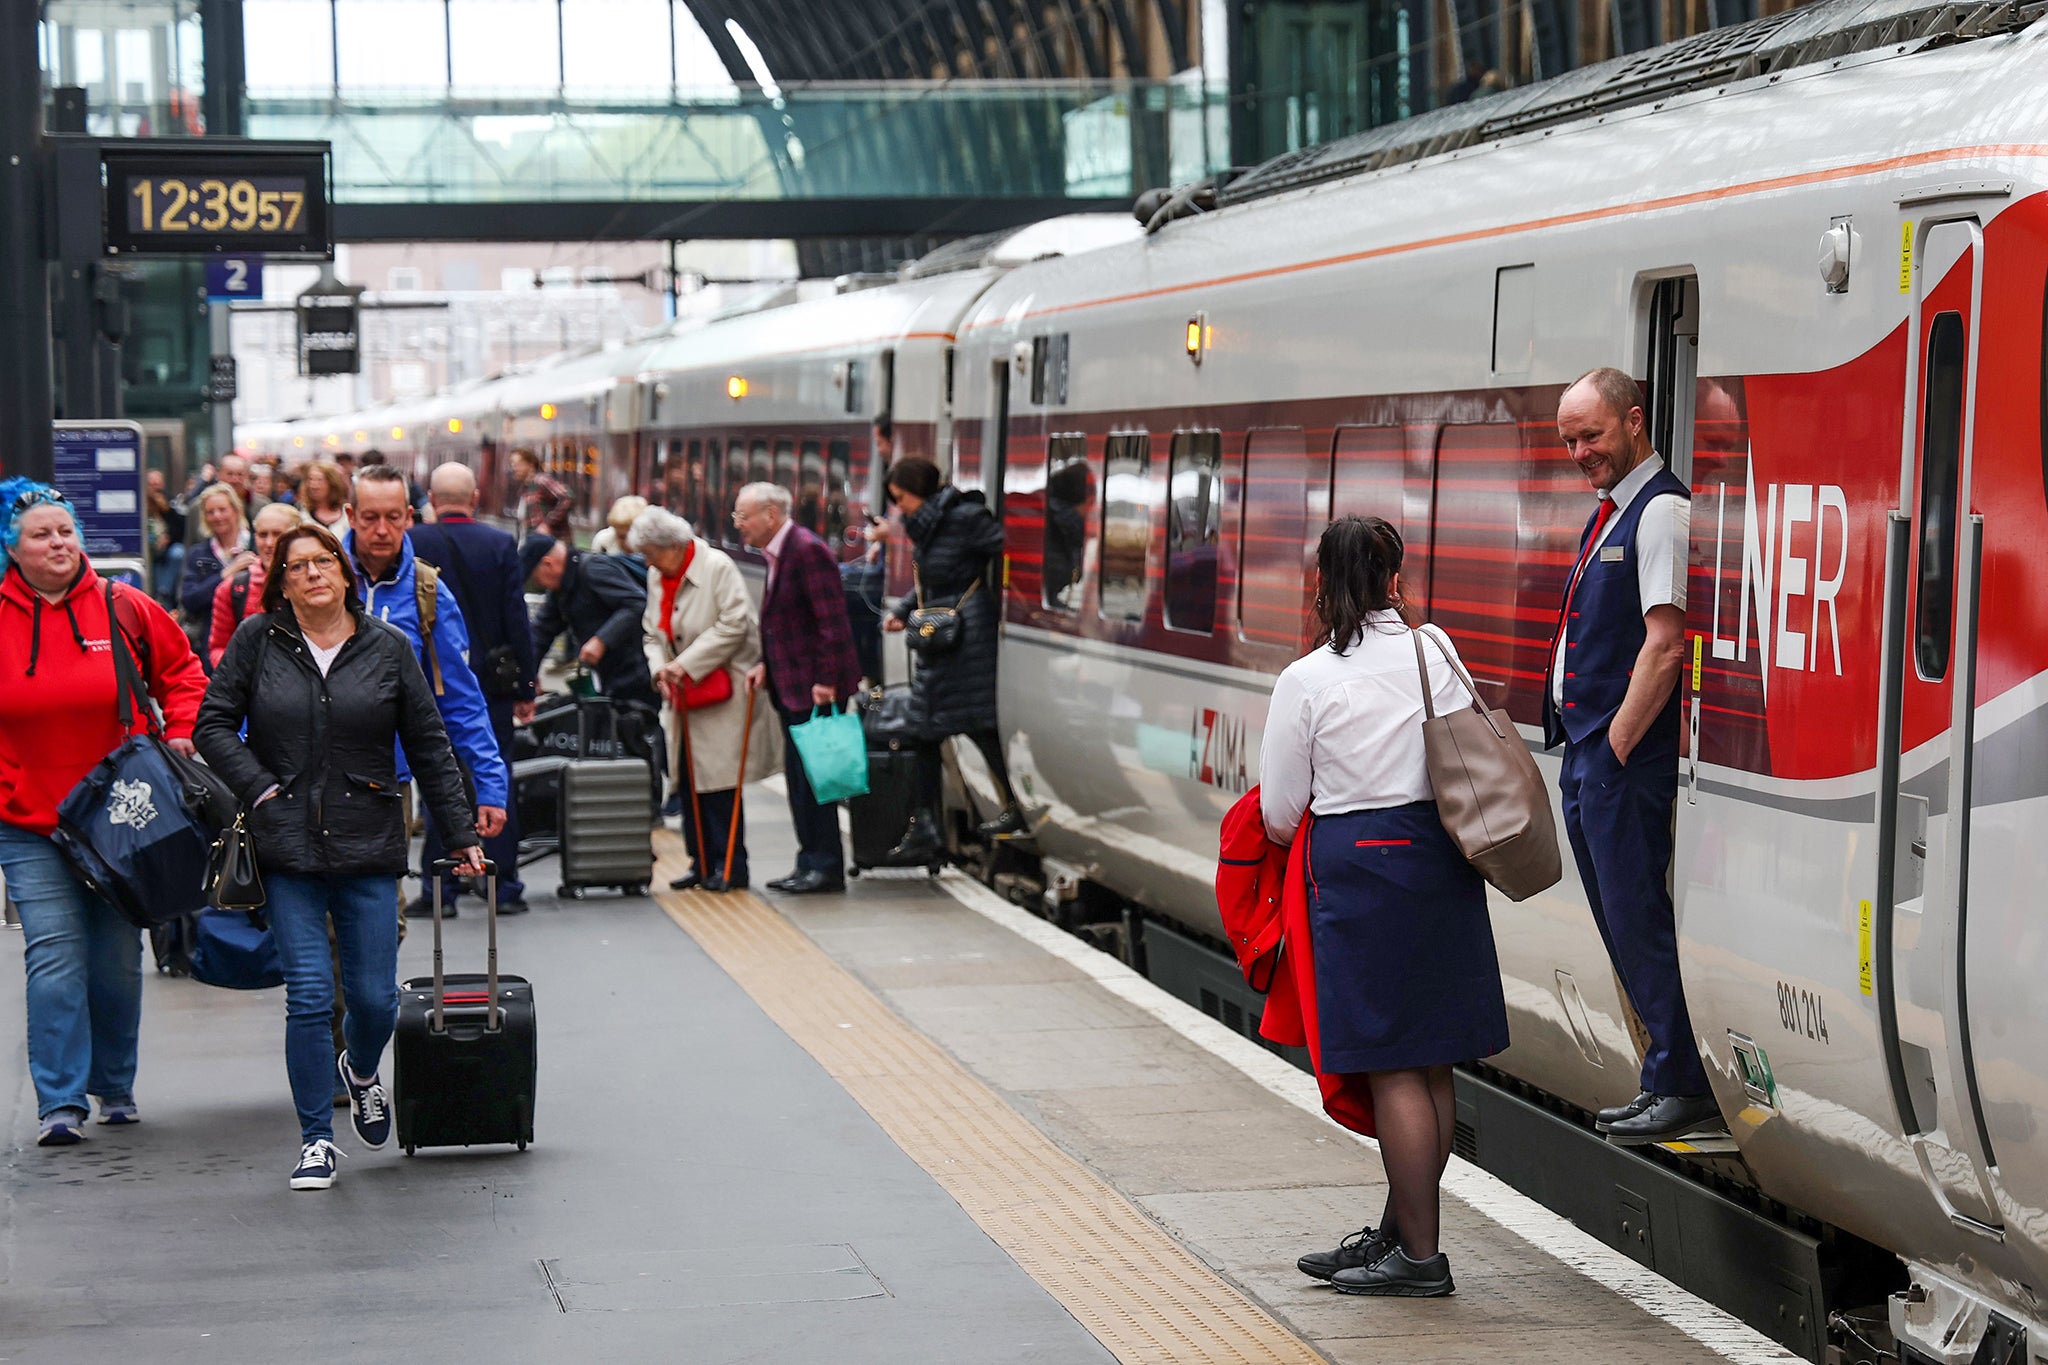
x=1286, y=767
x=1663, y=537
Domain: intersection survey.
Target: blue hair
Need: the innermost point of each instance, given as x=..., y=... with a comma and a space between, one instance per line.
x=11, y=490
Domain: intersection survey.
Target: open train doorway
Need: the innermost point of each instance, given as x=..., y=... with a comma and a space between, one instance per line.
x=1670, y=366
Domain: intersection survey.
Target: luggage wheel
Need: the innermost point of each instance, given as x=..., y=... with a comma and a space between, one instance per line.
x=569, y=893
x=408, y=1149
x=853, y=872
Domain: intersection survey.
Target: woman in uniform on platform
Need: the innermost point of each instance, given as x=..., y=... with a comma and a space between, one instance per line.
x=1407, y=982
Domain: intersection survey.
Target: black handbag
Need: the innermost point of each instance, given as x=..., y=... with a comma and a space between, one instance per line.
x=935, y=630
x=233, y=881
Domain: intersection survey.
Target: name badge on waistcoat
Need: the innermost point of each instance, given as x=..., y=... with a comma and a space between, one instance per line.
x=1611, y=554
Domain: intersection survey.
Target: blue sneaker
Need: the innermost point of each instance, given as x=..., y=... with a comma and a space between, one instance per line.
x=316, y=1165
x=367, y=1105
x=117, y=1113
x=63, y=1128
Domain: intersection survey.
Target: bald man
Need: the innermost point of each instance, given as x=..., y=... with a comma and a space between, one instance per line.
x=1612, y=701
x=480, y=564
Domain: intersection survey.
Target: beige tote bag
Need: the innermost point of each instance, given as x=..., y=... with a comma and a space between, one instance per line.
x=1489, y=795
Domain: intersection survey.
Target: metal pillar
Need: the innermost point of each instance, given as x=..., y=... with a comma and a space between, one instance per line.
x=25, y=406
x=75, y=180
x=224, y=63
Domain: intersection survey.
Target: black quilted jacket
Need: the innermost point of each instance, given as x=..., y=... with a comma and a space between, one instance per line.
x=956, y=542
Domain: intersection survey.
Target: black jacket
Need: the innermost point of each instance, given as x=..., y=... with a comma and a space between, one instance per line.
x=605, y=596
x=480, y=564
x=955, y=543
x=327, y=743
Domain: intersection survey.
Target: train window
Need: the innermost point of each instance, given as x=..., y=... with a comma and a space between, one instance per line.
x=1126, y=525
x=810, y=489
x=855, y=385
x=1503, y=520
x=1194, y=519
x=1049, y=368
x=1069, y=498
x=1941, y=444
x=729, y=495
x=1274, y=554
x=761, y=465
x=838, y=470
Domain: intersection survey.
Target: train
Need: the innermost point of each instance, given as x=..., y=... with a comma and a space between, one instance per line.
x=1821, y=240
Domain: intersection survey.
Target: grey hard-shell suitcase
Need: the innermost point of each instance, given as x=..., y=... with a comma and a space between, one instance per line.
x=607, y=835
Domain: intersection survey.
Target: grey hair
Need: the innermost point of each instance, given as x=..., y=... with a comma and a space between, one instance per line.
x=772, y=493
x=659, y=529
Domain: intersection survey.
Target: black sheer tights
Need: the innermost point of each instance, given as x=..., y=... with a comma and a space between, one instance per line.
x=1415, y=1112
x=931, y=767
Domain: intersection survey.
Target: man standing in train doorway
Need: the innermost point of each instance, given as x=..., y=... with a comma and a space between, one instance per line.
x=1613, y=702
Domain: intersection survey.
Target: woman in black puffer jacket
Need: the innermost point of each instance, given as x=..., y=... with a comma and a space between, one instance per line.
x=956, y=545
x=324, y=690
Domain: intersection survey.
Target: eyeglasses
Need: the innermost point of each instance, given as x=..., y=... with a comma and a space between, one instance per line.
x=311, y=565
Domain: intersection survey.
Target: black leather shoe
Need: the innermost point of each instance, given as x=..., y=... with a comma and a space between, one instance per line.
x=513, y=907
x=782, y=883
x=1007, y=825
x=1668, y=1119
x=1361, y=1248
x=422, y=908
x=812, y=884
x=721, y=884
x=1607, y=1118
x=921, y=843
x=689, y=881
x=1395, y=1276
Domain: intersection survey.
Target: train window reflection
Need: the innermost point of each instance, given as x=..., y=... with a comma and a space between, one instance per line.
x=761, y=467
x=728, y=496
x=838, y=463
x=1069, y=498
x=1126, y=525
x=1941, y=443
x=1194, y=518
x=810, y=488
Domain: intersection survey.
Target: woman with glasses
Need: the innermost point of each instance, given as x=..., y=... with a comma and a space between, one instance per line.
x=324, y=690
x=59, y=716
x=224, y=553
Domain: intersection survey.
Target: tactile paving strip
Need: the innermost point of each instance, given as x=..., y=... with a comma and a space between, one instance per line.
x=1142, y=1295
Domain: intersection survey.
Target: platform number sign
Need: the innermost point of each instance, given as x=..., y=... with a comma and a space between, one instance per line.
x=233, y=278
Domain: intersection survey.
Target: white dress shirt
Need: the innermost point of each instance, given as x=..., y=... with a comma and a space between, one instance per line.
x=1663, y=535
x=772, y=551
x=1344, y=731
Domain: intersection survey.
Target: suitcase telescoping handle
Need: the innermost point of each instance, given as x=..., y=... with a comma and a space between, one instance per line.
x=491, y=1016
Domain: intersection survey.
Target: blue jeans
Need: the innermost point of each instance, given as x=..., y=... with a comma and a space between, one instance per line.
x=84, y=966
x=365, y=913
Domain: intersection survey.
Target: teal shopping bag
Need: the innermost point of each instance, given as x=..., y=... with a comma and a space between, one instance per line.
x=834, y=753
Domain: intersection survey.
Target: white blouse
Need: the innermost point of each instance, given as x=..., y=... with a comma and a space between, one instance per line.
x=1344, y=731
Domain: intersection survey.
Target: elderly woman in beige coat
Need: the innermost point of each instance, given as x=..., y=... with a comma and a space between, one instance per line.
x=701, y=623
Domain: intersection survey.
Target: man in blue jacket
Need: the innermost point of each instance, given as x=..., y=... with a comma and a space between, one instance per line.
x=481, y=564
x=382, y=560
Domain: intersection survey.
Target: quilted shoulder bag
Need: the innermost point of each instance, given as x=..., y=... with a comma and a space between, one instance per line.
x=934, y=630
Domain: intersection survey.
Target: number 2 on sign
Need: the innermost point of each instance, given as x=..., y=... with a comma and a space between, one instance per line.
x=1800, y=1012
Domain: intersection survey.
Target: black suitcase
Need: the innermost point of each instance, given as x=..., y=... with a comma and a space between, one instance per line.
x=880, y=818
x=463, y=1057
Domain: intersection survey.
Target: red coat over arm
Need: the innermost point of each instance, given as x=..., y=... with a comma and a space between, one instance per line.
x=1262, y=894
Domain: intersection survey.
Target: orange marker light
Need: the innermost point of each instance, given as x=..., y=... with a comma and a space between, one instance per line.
x=547, y=412
x=398, y=433
x=736, y=388
x=454, y=426
x=298, y=440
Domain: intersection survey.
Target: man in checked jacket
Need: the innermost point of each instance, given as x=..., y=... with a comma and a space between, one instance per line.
x=808, y=661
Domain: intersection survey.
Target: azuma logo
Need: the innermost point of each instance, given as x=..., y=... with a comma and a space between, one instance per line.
x=1789, y=587
x=1218, y=751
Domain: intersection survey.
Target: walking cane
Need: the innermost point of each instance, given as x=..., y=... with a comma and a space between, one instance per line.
x=739, y=788
x=689, y=766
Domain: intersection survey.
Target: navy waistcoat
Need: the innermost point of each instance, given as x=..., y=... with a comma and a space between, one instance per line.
x=1604, y=633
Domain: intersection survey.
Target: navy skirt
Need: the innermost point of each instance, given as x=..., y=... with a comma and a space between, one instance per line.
x=1406, y=974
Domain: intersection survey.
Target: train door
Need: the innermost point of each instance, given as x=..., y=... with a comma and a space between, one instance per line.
x=1926, y=716
x=995, y=439
x=1672, y=363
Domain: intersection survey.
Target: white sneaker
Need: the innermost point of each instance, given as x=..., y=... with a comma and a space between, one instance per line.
x=316, y=1168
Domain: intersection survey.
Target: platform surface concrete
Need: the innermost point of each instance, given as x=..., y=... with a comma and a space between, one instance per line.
x=699, y=1190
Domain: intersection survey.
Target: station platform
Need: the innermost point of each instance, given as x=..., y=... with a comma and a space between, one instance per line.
x=911, y=1123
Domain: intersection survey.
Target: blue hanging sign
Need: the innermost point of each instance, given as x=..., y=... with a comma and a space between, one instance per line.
x=230, y=279
x=99, y=467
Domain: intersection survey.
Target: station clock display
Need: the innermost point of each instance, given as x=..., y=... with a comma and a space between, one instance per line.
x=207, y=196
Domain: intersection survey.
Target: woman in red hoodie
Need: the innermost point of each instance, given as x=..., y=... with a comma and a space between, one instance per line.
x=58, y=719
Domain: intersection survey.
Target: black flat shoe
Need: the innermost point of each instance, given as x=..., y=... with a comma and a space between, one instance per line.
x=721, y=884
x=422, y=908
x=513, y=907
x=1395, y=1276
x=1361, y=1248
x=1607, y=1118
x=689, y=881
x=812, y=884
x=1670, y=1118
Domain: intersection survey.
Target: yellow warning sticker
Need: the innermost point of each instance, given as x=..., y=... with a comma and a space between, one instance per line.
x=1863, y=981
x=1906, y=257
x=1697, y=640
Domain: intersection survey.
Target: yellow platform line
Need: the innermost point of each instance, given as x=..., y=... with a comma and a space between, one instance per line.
x=1141, y=1294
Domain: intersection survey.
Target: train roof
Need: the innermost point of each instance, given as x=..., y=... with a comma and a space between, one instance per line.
x=1828, y=31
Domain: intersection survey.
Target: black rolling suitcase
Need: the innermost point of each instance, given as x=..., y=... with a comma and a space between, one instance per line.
x=463, y=1056
x=880, y=818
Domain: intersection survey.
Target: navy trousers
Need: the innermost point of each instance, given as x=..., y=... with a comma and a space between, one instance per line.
x=502, y=848
x=1618, y=818
x=817, y=825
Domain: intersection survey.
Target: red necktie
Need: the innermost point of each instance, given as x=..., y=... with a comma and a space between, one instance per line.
x=1600, y=517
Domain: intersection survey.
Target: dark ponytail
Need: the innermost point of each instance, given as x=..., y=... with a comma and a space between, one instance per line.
x=1356, y=561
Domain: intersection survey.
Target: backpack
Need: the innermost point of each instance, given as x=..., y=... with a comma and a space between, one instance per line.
x=426, y=597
